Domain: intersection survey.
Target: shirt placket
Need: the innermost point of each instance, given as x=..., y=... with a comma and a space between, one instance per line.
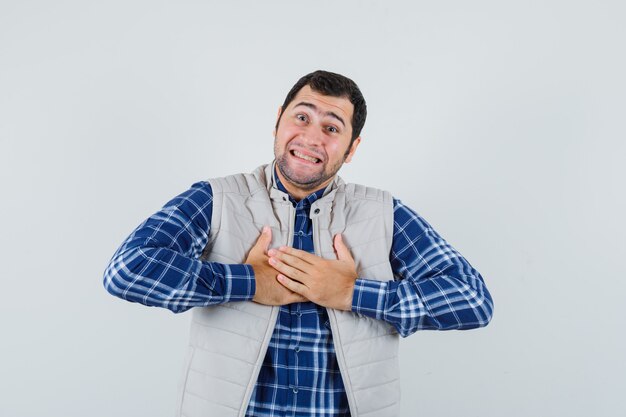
x=300, y=241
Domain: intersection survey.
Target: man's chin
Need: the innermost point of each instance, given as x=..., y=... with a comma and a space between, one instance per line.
x=301, y=178
x=304, y=183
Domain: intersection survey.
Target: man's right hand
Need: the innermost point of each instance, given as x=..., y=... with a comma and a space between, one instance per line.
x=268, y=290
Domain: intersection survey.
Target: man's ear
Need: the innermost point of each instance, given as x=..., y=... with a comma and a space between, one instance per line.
x=353, y=147
x=280, y=110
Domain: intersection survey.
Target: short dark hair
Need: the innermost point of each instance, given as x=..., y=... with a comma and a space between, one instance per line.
x=336, y=85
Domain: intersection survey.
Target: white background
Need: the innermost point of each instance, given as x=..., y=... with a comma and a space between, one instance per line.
x=502, y=123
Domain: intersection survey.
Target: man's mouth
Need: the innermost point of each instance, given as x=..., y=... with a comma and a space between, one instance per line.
x=305, y=157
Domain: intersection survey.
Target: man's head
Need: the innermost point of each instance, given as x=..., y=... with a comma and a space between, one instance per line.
x=335, y=85
x=317, y=130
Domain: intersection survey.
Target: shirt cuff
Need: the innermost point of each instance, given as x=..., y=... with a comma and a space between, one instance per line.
x=369, y=297
x=237, y=281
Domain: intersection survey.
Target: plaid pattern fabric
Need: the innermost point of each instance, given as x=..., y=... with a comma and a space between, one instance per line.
x=159, y=265
x=435, y=288
x=300, y=375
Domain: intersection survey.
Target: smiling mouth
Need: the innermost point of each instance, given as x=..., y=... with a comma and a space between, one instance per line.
x=305, y=157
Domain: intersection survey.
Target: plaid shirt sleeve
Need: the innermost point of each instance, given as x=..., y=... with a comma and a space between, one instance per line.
x=435, y=287
x=159, y=263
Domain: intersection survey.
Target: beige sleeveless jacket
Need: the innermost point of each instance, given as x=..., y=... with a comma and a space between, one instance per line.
x=228, y=342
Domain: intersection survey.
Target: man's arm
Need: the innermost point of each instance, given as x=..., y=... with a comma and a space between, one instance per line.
x=158, y=264
x=437, y=287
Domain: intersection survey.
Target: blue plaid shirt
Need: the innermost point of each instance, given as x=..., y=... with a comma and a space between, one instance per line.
x=435, y=288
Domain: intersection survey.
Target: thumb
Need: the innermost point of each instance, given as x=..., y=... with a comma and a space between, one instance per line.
x=343, y=253
x=264, y=240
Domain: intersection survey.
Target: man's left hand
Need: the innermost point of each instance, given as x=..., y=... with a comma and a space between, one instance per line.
x=327, y=282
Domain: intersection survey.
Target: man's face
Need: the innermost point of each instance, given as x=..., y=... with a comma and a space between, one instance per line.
x=312, y=140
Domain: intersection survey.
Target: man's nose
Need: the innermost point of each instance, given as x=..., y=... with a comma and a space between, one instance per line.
x=313, y=136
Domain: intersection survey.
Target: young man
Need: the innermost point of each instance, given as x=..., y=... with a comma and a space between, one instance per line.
x=301, y=284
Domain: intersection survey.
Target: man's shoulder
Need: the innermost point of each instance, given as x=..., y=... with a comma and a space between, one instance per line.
x=355, y=191
x=244, y=183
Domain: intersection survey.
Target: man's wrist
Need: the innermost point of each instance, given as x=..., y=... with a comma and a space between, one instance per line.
x=347, y=306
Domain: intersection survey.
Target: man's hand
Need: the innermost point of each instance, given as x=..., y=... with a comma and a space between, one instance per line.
x=329, y=283
x=268, y=290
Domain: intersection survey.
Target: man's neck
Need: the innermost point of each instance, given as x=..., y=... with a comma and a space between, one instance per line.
x=298, y=193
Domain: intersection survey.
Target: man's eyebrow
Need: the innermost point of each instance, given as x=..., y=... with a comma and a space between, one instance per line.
x=328, y=113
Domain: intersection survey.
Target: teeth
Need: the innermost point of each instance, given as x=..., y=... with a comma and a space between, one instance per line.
x=306, y=157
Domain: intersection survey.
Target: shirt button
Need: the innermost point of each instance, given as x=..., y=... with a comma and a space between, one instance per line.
x=299, y=313
x=316, y=211
x=295, y=390
x=296, y=349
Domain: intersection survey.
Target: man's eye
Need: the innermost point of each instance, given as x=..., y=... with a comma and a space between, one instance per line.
x=332, y=129
x=301, y=117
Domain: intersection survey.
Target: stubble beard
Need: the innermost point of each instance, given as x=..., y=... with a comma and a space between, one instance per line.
x=306, y=182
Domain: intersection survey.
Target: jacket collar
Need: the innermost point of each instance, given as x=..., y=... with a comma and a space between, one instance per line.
x=268, y=178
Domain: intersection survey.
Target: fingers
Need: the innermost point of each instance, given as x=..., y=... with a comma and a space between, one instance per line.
x=292, y=285
x=264, y=240
x=305, y=256
x=287, y=269
x=290, y=260
x=343, y=253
